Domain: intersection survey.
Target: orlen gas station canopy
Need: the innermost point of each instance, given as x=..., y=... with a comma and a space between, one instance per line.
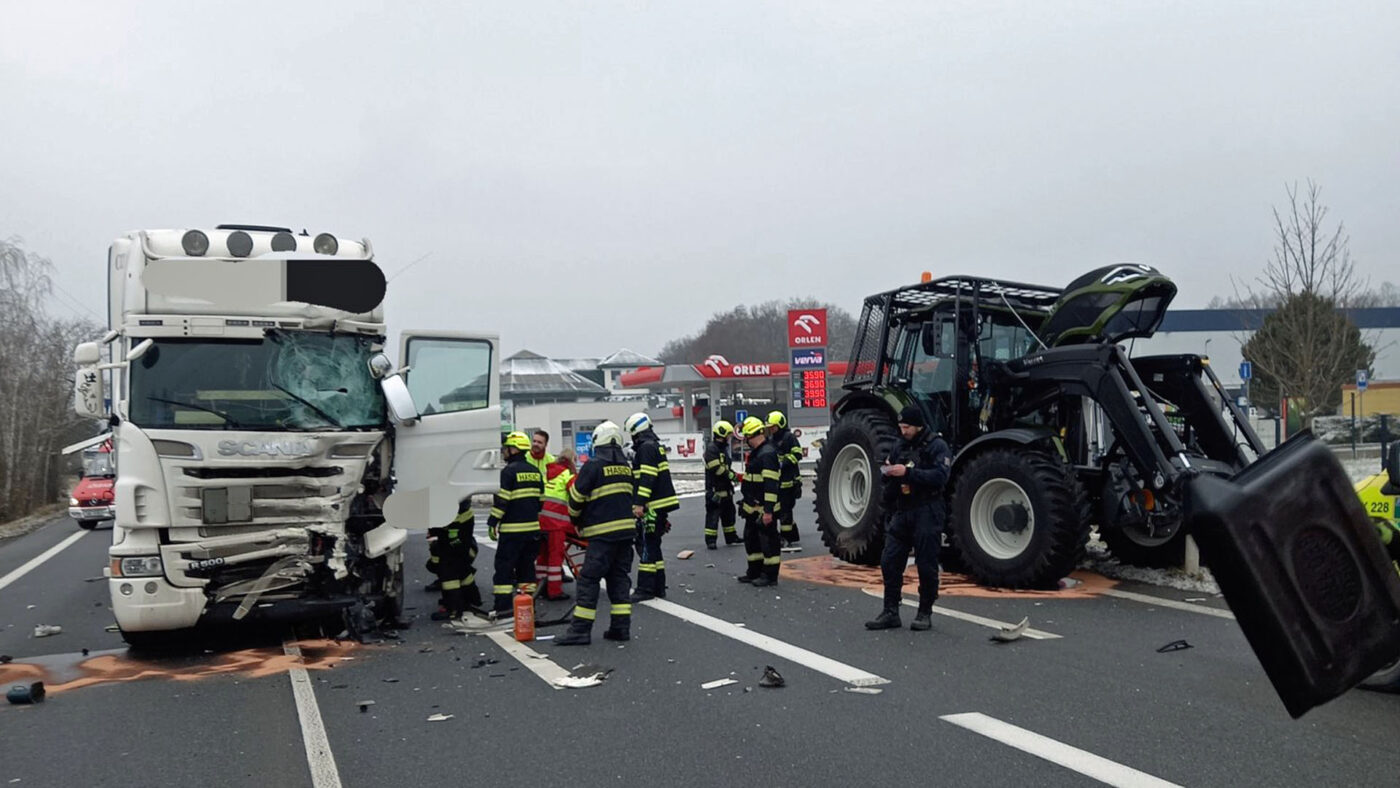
x=711, y=375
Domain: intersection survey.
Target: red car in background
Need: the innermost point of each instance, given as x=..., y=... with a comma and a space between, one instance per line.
x=92, y=501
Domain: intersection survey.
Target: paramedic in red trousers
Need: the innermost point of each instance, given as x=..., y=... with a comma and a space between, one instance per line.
x=600, y=502
x=555, y=525
x=514, y=523
x=653, y=500
x=761, y=506
x=789, y=484
x=913, y=495
x=719, y=487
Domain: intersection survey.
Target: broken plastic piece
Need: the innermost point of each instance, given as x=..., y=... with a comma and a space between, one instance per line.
x=865, y=690
x=364, y=705
x=684, y=554
x=771, y=678
x=1175, y=645
x=45, y=630
x=1008, y=634
x=718, y=683
x=439, y=717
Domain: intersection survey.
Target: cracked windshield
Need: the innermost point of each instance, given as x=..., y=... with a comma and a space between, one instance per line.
x=286, y=381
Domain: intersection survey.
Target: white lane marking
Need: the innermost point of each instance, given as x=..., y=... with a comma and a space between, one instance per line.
x=1086, y=763
x=313, y=731
x=810, y=659
x=1171, y=603
x=537, y=664
x=1034, y=634
x=41, y=558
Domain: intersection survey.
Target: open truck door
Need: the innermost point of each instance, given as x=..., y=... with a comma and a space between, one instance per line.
x=446, y=404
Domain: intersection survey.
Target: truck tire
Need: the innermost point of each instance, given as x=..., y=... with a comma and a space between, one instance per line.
x=1019, y=518
x=849, y=513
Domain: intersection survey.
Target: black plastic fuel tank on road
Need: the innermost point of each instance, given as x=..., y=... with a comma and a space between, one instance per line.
x=1299, y=562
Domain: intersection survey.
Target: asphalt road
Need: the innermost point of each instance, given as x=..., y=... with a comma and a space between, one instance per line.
x=1091, y=701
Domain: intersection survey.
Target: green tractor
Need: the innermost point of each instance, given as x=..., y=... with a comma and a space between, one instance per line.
x=1053, y=427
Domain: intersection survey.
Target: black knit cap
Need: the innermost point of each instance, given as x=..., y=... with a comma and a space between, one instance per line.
x=912, y=416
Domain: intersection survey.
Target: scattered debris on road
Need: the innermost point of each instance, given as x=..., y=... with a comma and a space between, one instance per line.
x=717, y=683
x=364, y=705
x=1009, y=634
x=684, y=554
x=865, y=690
x=45, y=630
x=771, y=678
x=24, y=694
x=583, y=676
x=439, y=717
x=1175, y=645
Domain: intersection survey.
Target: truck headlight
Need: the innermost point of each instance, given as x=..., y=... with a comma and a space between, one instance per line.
x=137, y=566
x=72, y=501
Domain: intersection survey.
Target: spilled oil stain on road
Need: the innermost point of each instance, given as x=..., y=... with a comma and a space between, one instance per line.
x=827, y=570
x=63, y=672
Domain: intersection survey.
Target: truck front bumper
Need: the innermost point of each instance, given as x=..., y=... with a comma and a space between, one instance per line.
x=90, y=513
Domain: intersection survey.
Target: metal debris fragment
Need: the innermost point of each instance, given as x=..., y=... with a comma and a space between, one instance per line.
x=1008, y=634
x=709, y=685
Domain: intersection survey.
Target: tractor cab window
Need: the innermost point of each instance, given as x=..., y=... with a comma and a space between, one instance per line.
x=1002, y=337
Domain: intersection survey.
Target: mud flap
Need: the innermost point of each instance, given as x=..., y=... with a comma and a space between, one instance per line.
x=1300, y=564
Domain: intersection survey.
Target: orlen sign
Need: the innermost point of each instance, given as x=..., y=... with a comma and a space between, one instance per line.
x=806, y=327
x=717, y=366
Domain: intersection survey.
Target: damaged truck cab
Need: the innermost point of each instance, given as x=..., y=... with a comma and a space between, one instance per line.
x=269, y=454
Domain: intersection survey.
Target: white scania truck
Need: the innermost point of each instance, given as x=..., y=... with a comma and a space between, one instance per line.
x=269, y=454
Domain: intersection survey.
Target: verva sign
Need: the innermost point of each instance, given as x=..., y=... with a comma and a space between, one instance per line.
x=806, y=327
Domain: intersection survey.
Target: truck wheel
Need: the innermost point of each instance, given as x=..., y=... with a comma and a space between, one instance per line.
x=849, y=512
x=1019, y=518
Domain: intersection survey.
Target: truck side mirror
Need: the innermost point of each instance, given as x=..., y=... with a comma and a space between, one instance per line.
x=87, y=383
x=400, y=402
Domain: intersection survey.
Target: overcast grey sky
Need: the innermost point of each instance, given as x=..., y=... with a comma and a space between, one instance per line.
x=585, y=176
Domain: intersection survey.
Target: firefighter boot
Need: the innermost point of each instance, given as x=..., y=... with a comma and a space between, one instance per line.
x=579, y=634
x=620, y=628
x=888, y=619
x=922, y=620
x=711, y=543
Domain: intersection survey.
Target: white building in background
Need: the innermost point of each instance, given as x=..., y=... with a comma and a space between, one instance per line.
x=569, y=397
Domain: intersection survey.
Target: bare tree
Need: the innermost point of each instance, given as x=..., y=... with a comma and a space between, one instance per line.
x=757, y=333
x=1307, y=348
x=35, y=388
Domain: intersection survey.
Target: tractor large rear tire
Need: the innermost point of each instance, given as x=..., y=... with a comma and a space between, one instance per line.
x=1019, y=518
x=849, y=512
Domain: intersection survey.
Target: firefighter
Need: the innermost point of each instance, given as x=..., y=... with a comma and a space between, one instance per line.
x=515, y=523
x=1389, y=532
x=653, y=500
x=913, y=494
x=761, y=506
x=719, y=487
x=554, y=525
x=453, y=559
x=789, y=485
x=600, y=503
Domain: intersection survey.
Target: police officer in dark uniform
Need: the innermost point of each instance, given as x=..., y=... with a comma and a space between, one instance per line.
x=600, y=503
x=719, y=487
x=913, y=497
x=515, y=523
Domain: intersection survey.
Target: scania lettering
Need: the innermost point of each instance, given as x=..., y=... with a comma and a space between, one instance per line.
x=269, y=455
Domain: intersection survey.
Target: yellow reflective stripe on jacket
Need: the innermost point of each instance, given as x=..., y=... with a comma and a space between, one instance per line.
x=616, y=488
x=662, y=503
x=647, y=470
x=713, y=463
x=519, y=528
x=611, y=526
x=519, y=494
x=497, y=512
x=770, y=474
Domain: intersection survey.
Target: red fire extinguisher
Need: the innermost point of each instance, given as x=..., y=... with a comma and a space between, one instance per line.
x=524, y=617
